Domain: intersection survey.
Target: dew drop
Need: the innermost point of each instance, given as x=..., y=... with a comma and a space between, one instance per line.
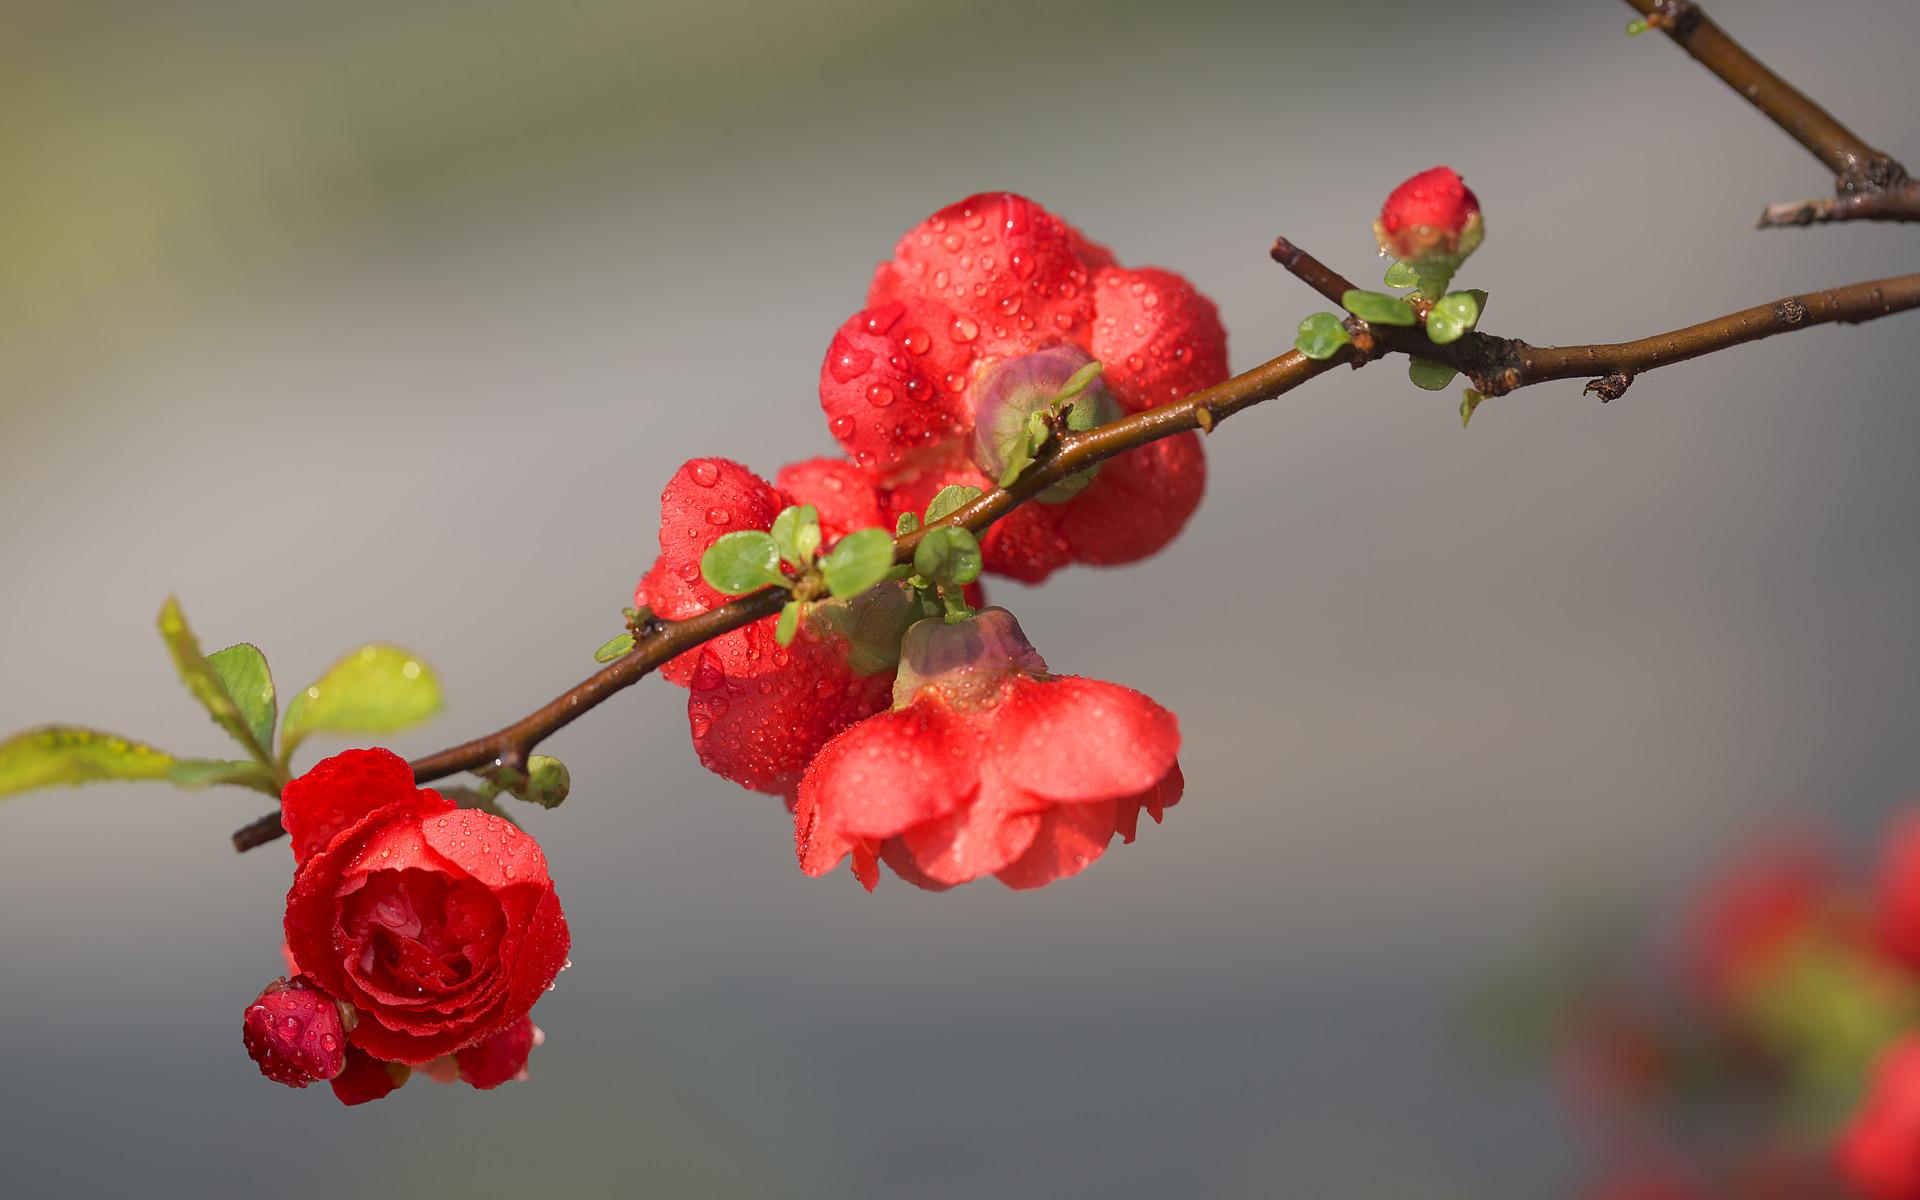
x=849, y=364
x=879, y=395
x=963, y=329
x=718, y=516
x=916, y=340
x=842, y=427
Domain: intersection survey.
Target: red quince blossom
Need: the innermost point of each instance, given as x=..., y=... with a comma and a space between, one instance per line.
x=987, y=764
x=1879, y=1152
x=758, y=711
x=990, y=280
x=295, y=1033
x=438, y=925
x=1432, y=213
x=366, y=1078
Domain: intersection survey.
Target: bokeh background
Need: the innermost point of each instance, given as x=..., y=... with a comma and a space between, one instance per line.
x=378, y=320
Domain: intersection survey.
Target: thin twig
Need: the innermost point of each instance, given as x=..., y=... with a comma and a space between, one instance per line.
x=1869, y=184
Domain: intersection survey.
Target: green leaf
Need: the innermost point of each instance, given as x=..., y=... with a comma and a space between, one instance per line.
x=68, y=754
x=1637, y=26
x=1321, y=336
x=907, y=523
x=1378, y=308
x=619, y=647
x=796, y=531
x=859, y=560
x=1469, y=400
x=242, y=670
x=545, y=782
x=1451, y=316
x=1426, y=373
x=951, y=499
x=203, y=680
x=376, y=689
x=788, y=626
x=741, y=562
x=240, y=772
x=948, y=554
x=1400, y=275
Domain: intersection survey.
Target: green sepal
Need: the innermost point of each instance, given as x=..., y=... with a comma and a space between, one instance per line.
x=546, y=782
x=1401, y=275
x=872, y=624
x=1433, y=376
x=1378, y=308
x=1321, y=335
x=858, y=561
x=743, y=561
x=1077, y=383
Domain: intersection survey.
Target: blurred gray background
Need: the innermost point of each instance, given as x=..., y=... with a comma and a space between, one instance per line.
x=388, y=320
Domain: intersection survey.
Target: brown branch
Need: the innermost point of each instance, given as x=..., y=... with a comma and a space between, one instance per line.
x=1860, y=171
x=1496, y=365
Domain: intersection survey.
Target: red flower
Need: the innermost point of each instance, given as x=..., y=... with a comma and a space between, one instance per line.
x=438, y=925
x=758, y=711
x=1879, y=1152
x=501, y=1058
x=367, y=1078
x=987, y=765
x=1432, y=213
x=987, y=282
x=294, y=1031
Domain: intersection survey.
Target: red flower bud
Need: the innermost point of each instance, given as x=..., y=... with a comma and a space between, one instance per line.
x=1432, y=213
x=368, y=1078
x=1897, y=891
x=500, y=1058
x=987, y=765
x=294, y=1031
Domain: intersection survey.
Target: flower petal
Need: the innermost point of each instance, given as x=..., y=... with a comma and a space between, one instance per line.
x=1073, y=739
x=1070, y=838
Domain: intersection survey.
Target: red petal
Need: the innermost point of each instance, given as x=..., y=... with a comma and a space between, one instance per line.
x=1156, y=800
x=367, y=1078
x=1070, y=838
x=980, y=837
x=1074, y=739
x=843, y=494
x=337, y=792
x=893, y=770
x=897, y=382
x=1157, y=338
x=1138, y=503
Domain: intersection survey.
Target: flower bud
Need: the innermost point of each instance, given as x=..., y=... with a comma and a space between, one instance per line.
x=1431, y=222
x=501, y=1058
x=295, y=1032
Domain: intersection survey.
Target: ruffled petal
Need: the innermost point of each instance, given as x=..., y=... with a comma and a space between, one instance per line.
x=337, y=792
x=1073, y=739
x=1070, y=838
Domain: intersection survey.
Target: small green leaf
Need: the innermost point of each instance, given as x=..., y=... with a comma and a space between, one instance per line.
x=1637, y=26
x=202, y=679
x=1432, y=376
x=790, y=529
x=1451, y=316
x=1400, y=275
x=1469, y=400
x=619, y=647
x=376, y=689
x=68, y=754
x=859, y=560
x=741, y=562
x=951, y=499
x=1077, y=383
x=1321, y=336
x=242, y=670
x=207, y=772
x=948, y=554
x=1378, y=308
x=907, y=523
x=788, y=626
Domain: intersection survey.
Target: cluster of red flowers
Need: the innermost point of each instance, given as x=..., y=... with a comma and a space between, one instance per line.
x=1790, y=1025
x=418, y=934
x=949, y=749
